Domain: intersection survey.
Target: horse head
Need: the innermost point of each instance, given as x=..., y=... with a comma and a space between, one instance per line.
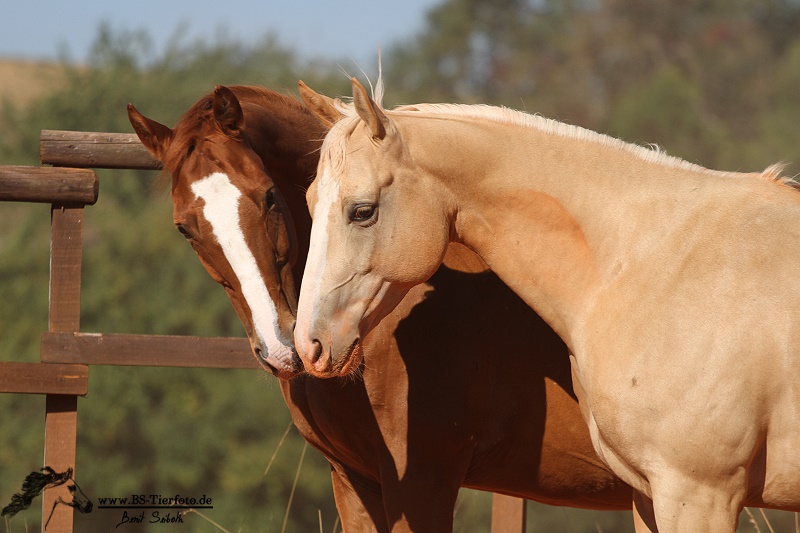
x=228, y=207
x=376, y=234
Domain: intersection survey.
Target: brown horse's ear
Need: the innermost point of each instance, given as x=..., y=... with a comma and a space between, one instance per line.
x=323, y=107
x=155, y=137
x=228, y=111
x=370, y=112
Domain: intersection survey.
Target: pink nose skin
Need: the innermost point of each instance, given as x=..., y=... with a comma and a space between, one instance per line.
x=311, y=353
x=281, y=367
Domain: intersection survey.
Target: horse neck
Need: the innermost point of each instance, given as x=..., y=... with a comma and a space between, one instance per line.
x=550, y=214
x=287, y=139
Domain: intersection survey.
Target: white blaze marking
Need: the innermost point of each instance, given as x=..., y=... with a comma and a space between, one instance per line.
x=221, y=209
x=327, y=192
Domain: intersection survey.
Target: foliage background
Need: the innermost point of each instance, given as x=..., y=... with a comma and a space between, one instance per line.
x=713, y=81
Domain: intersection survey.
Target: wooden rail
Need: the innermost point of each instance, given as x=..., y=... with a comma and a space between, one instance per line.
x=36, y=378
x=94, y=150
x=48, y=185
x=62, y=373
x=147, y=350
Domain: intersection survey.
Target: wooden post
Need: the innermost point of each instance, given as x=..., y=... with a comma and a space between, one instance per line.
x=61, y=411
x=508, y=514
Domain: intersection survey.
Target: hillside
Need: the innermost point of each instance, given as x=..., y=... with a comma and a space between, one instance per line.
x=23, y=81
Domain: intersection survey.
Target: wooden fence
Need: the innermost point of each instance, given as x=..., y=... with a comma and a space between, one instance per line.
x=62, y=374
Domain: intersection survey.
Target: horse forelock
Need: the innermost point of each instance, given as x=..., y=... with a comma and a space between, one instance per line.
x=333, y=149
x=197, y=121
x=333, y=152
x=186, y=132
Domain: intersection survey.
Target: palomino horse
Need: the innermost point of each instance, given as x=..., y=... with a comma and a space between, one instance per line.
x=490, y=408
x=674, y=286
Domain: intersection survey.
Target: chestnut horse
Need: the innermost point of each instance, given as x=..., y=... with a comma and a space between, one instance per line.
x=674, y=286
x=465, y=387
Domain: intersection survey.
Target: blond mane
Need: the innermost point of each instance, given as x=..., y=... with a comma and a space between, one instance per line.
x=337, y=138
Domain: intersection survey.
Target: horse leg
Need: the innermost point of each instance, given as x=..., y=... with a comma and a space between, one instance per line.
x=683, y=504
x=429, y=507
x=644, y=518
x=359, y=509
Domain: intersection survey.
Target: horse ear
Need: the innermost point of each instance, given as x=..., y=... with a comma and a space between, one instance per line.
x=323, y=107
x=228, y=111
x=370, y=112
x=155, y=137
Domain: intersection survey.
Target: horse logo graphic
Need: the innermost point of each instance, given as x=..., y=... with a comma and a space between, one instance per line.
x=36, y=482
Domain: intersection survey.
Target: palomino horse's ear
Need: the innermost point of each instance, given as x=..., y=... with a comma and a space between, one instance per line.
x=369, y=111
x=323, y=107
x=228, y=111
x=155, y=137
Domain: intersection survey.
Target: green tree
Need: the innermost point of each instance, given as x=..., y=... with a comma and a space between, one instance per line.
x=668, y=106
x=593, y=62
x=779, y=127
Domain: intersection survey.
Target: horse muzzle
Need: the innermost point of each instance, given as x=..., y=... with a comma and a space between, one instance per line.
x=324, y=361
x=282, y=361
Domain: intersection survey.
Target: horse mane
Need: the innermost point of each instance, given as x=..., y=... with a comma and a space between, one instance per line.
x=651, y=153
x=504, y=115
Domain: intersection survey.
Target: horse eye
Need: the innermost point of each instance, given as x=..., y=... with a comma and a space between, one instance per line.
x=269, y=199
x=183, y=231
x=362, y=212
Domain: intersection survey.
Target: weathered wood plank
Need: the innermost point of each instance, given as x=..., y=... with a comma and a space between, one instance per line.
x=61, y=434
x=61, y=412
x=48, y=185
x=65, y=268
x=147, y=350
x=40, y=378
x=94, y=150
x=508, y=514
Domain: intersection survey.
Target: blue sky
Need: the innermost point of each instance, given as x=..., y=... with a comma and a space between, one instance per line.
x=39, y=29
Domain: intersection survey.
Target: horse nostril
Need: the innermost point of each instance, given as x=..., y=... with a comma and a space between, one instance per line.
x=317, y=351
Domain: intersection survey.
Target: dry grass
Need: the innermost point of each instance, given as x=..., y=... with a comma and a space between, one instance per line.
x=22, y=82
x=754, y=522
